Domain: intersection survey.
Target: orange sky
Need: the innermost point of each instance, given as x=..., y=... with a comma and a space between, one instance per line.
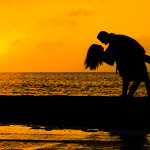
x=54, y=35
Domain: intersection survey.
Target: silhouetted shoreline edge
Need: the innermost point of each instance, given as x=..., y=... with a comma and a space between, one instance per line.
x=105, y=113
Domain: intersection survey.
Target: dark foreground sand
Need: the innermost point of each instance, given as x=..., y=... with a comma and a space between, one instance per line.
x=105, y=113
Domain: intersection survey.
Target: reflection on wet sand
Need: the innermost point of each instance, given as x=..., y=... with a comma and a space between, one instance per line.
x=25, y=137
x=19, y=137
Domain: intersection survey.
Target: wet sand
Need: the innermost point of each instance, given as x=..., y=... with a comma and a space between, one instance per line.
x=24, y=137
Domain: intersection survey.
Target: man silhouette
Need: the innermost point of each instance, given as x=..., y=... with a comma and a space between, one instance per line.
x=130, y=58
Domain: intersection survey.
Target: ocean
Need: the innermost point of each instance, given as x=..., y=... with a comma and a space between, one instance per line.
x=64, y=83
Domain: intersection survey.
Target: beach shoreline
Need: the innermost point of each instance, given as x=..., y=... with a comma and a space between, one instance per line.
x=105, y=113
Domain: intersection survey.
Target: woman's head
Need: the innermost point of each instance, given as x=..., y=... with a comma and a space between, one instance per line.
x=94, y=57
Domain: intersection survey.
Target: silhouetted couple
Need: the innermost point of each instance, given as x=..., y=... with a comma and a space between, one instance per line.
x=129, y=56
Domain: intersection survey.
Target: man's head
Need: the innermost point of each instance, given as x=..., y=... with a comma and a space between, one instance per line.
x=104, y=37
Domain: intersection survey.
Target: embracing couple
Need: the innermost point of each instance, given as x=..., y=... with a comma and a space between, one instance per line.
x=129, y=56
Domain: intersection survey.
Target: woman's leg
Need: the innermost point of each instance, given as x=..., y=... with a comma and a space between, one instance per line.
x=125, y=87
x=133, y=88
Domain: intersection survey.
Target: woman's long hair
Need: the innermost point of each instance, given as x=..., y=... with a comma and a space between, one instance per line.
x=94, y=57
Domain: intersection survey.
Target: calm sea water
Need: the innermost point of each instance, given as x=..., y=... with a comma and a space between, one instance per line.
x=71, y=84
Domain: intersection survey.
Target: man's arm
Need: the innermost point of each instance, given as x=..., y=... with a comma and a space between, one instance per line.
x=108, y=59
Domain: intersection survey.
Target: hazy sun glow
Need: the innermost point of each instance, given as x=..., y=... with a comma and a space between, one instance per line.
x=55, y=35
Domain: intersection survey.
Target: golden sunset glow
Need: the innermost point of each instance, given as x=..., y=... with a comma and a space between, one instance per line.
x=55, y=35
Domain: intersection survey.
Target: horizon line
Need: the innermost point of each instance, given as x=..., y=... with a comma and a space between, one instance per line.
x=58, y=72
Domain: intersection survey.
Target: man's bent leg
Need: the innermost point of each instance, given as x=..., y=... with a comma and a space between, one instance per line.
x=147, y=84
x=125, y=87
x=133, y=88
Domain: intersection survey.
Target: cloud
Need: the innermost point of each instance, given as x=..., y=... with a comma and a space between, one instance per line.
x=56, y=22
x=19, y=2
x=79, y=13
x=63, y=22
x=96, y=1
x=17, y=44
x=47, y=46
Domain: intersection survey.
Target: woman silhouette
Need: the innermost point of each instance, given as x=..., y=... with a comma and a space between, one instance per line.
x=129, y=70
